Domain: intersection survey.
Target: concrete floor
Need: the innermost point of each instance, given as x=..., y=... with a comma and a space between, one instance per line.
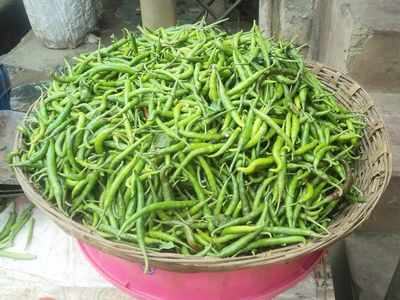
x=363, y=265
x=372, y=258
x=340, y=271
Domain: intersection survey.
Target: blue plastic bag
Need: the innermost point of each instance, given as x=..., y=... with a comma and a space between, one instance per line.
x=5, y=88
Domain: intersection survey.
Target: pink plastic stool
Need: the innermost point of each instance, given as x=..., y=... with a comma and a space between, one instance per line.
x=258, y=283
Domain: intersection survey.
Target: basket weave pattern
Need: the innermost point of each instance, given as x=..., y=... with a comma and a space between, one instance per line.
x=372, y=174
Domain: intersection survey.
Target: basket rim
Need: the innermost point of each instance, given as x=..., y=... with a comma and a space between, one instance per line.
x=192, y=263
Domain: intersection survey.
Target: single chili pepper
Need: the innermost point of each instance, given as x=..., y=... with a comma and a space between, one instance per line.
x=225, y=238
x=288, y=124
x=229, y=142
x=303, y=96
x=166, y=237
x=277, y=153
x=256, y=126
x=307, y=194
x=320, y=134
x=306, y=147
x=52, y=175
x=291, y=231
x=320, y=154
x=209, y=174
x=295, y=128
x=238, y=65
x=291, y=194
x=257, y=164
x=79, y=187
x=297, y=103
x=109, y=196
x=37, y=156
x=209, y=136
x=17, y=255
x=220, y=198
x=268, y=242
x=204, y=150
x=241, y=220
x=305, y=133
x=213, y=91
x=226, y=102
x=170, y=149
x=344, y=137
x=279, y=186
x=190, y=237
x=140, y=222
x=245, y=84
x=235, y=197
x=240, y=229
x=243, y=195
x=275, y=126
x=60, y=119
x=238, y=210
x=261, y=189
x=237, y=246
x=165, y=205
x=7, y=227
x=255, y=138
x=196, y=208
x=246, y=132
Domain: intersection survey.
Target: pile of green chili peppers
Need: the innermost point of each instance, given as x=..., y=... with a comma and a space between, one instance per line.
x=193, y=141
x=12, y=226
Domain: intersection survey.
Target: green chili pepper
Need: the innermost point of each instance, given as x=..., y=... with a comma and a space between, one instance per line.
x=192, y=141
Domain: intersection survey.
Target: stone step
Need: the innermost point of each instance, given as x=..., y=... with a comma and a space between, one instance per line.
x=362, y=37
x=372, y=259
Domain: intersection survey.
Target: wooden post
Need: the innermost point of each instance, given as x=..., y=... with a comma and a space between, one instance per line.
x=218, y=8
x=265, y=17
x=158, y=13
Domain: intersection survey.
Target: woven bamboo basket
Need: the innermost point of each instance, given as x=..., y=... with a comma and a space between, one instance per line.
x=372, y=174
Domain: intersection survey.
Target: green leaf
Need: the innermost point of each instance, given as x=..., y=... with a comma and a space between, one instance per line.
x=166, y=246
